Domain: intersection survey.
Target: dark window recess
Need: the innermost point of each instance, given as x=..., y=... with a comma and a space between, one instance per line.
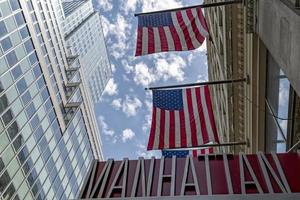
x=3, y=29
x=33, y=176
x=3, y=103
x=18, y=142
x=16, y=72
x=48, y=105
x=33, y=17
x=24, y=32
x=37, y=71
x=29, y=5
x=37, y=28
x=11, y=58
x=30, y=110
x=45, y=94
x=32, y=58
x=13, y=130
x=26, y=98
x=41, y=83
x=7, y=117
x=6, y=44
x=52, y=115
x=23, y=155
x=34, y=122
x=22, y=85
x=38, y=133
x=19, y=18
x=29, y=164
x=29, y=46
x=14, y=4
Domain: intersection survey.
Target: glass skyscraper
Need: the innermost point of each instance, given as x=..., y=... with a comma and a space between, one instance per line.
x=48, y=130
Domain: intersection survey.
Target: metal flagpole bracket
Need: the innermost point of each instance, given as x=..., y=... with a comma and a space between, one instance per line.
x=211, y=145
x=223, y=3
x=200, y=83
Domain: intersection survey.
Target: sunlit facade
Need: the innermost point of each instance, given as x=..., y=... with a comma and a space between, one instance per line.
x=251, y=40
x=48, y=132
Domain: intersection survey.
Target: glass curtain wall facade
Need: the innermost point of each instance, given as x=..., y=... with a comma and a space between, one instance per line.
x=84, y=37
x=47, y=137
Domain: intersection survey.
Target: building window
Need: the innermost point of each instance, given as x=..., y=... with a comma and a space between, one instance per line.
x=277, y=107
x=6, y=44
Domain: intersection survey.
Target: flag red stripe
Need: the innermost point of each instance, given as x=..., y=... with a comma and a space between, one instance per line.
x=202, y=19
x=172, y=129
x=192, y=118
x=151, y=42
x=201, y=117
x=139, y=42
x=210, y=150
x=192, y=19
x=202, y=151
x=152, y=130
x=182, y=129
x=211, y=113
x=162, y=129
x=195, y=153
x=163, y=39
x=175, y=38
x=184, y=30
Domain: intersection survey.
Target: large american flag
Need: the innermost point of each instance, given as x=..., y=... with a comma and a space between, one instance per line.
x=182, y=118
x=181, y=30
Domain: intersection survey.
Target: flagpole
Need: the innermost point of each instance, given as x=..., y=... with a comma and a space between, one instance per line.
x=201, y=83
x=208, y=5
x=211, y=145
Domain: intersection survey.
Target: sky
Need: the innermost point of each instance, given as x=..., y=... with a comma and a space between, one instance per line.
x=124, y=113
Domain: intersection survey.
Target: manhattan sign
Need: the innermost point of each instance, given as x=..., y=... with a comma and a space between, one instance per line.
x=275, y=176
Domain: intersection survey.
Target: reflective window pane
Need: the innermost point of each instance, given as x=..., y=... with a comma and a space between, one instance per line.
x=6, y=44
x=19, y=18
x=11, y=58
x=16, y=72
x=3, y=29
x=14, y=4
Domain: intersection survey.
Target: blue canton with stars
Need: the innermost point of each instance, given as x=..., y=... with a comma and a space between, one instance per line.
x=178, y=154
x=168, y=99
x=155, y=20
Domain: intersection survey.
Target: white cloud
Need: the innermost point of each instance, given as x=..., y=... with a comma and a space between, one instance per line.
x=127, y=134
x=129, y=6
x=104, y=127
x=151, y=5
x=172, y=67
x=106, y=5
x=128, y=68
x=117, y=103
x=143, y=75
x=166, y=67
x=111, y=88
x=131, y=105
x=118, y=32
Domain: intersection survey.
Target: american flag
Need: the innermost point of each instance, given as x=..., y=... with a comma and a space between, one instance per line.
x=185, y=153
x=182, y=118
x=178, y=154
x=181, y=30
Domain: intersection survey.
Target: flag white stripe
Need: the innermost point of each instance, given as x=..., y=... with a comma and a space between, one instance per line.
x=190, y=29
x=157, y=43
x=179, y=31
x=186, y=119
x=157, y=129
x=201, y=29
x=169, y=37
x=167, y=129
x=145, y=41
x=196, y=117
x=206, y=116
x=177, y=129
